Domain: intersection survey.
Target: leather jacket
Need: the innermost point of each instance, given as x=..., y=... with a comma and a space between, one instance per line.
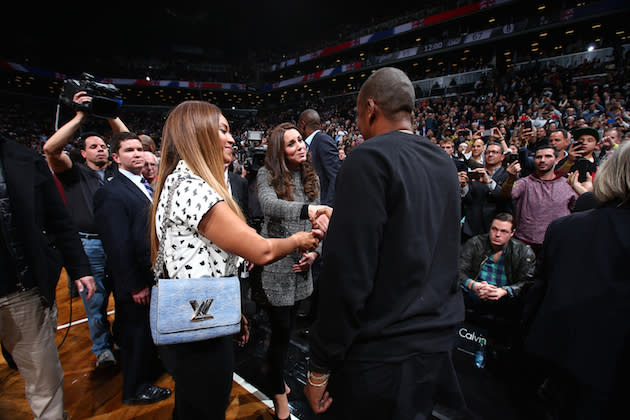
x=519, y=260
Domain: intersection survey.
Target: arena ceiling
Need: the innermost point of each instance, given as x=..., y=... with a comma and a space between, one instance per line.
x=53, y=30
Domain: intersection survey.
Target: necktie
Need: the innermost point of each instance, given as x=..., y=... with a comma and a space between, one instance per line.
x=147, y=186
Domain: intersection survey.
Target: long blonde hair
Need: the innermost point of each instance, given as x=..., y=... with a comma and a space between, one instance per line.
x=191, y=134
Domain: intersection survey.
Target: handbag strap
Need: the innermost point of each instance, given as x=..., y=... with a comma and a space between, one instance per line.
x=158, y=266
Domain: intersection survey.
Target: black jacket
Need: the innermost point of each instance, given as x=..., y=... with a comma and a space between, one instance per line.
x=579, y=301
x=519, y=260
x=326, y=162
x=49, y=236
x=122, y=212
x=388, y=286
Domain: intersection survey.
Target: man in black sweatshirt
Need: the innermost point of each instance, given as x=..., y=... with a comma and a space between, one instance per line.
x=381, y=343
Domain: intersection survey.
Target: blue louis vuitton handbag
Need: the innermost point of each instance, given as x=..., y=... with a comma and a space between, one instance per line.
x=187, y=310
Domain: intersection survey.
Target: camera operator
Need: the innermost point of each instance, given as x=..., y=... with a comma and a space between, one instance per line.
x=80, y=182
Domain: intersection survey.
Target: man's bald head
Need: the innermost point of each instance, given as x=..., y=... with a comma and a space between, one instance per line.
x=391, y=90
x=309, y=121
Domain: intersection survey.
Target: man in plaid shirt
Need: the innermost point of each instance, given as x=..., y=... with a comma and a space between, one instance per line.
x=494, y=267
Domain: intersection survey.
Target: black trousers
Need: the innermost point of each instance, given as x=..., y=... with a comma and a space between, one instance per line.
x=138, y=355
x=202, y=372
x=282, y=320
x=395, y=390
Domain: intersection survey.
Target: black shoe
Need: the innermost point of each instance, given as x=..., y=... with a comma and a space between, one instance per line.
x=150, y=394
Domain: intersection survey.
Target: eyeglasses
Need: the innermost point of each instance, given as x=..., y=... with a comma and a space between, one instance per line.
x=488, y=152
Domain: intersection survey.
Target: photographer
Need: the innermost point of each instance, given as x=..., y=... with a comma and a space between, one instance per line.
x=581, y=156
x=481, y=192
x=80, y=182
x=538, y=198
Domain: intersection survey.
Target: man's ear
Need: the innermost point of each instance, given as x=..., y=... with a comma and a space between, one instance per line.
x=371, y=109
x=116, y=157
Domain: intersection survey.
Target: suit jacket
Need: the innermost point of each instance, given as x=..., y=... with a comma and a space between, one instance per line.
x=122, y=214
x=482, y=204
x=326, y=162
x=240, y=191
x=49, y=236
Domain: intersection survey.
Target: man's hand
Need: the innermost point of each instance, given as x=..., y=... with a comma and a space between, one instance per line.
x=528, y=134
x=318, y=398
x=487, y=291
x=316, y=210
x=81, y=98
x=514, y=168
x=88, y=283
x=607, y=143
x=321, y=223
x=484, y=175
x=141, y=296
x=580, y=187
x=463, y=178
x=575, y=151
x=243, y=336
x=321, y=218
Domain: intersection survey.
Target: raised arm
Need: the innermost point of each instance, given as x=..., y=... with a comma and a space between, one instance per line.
x=58, y=161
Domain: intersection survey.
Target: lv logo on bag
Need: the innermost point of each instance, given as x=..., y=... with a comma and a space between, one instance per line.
x=201, y=310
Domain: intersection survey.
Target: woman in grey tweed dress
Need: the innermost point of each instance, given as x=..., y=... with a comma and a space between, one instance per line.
x=288, y=191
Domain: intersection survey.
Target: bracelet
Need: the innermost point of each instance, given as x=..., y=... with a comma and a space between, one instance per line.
x=314, y=380
x=508, y=184
x=568, y=164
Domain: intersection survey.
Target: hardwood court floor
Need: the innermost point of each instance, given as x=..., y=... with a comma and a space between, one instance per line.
x=91, y=394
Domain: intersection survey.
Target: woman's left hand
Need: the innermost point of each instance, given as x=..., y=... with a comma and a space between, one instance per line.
x=305, y=262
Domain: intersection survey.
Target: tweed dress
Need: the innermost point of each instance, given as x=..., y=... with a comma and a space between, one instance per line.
x=281, y=285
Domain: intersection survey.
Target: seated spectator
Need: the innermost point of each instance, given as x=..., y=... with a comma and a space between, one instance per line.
x=495, y=268
x=538, y=198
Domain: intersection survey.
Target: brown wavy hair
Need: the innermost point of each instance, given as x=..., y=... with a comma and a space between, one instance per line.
x=276, y=163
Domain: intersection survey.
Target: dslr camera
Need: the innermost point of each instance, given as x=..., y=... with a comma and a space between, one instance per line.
x=106, y=100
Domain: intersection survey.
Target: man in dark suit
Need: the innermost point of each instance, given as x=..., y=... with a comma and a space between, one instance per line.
x=325, y=158
x=239, y=187
x=324, y=153
x=37, y=238
x=122, y=207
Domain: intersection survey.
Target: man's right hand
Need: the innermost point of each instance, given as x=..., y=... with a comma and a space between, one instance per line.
x=575, y=152
x=81, y=98
x=463, y=178
x=514, y=168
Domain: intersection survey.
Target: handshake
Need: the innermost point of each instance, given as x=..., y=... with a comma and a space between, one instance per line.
x=320, y=217
x=308, y=241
